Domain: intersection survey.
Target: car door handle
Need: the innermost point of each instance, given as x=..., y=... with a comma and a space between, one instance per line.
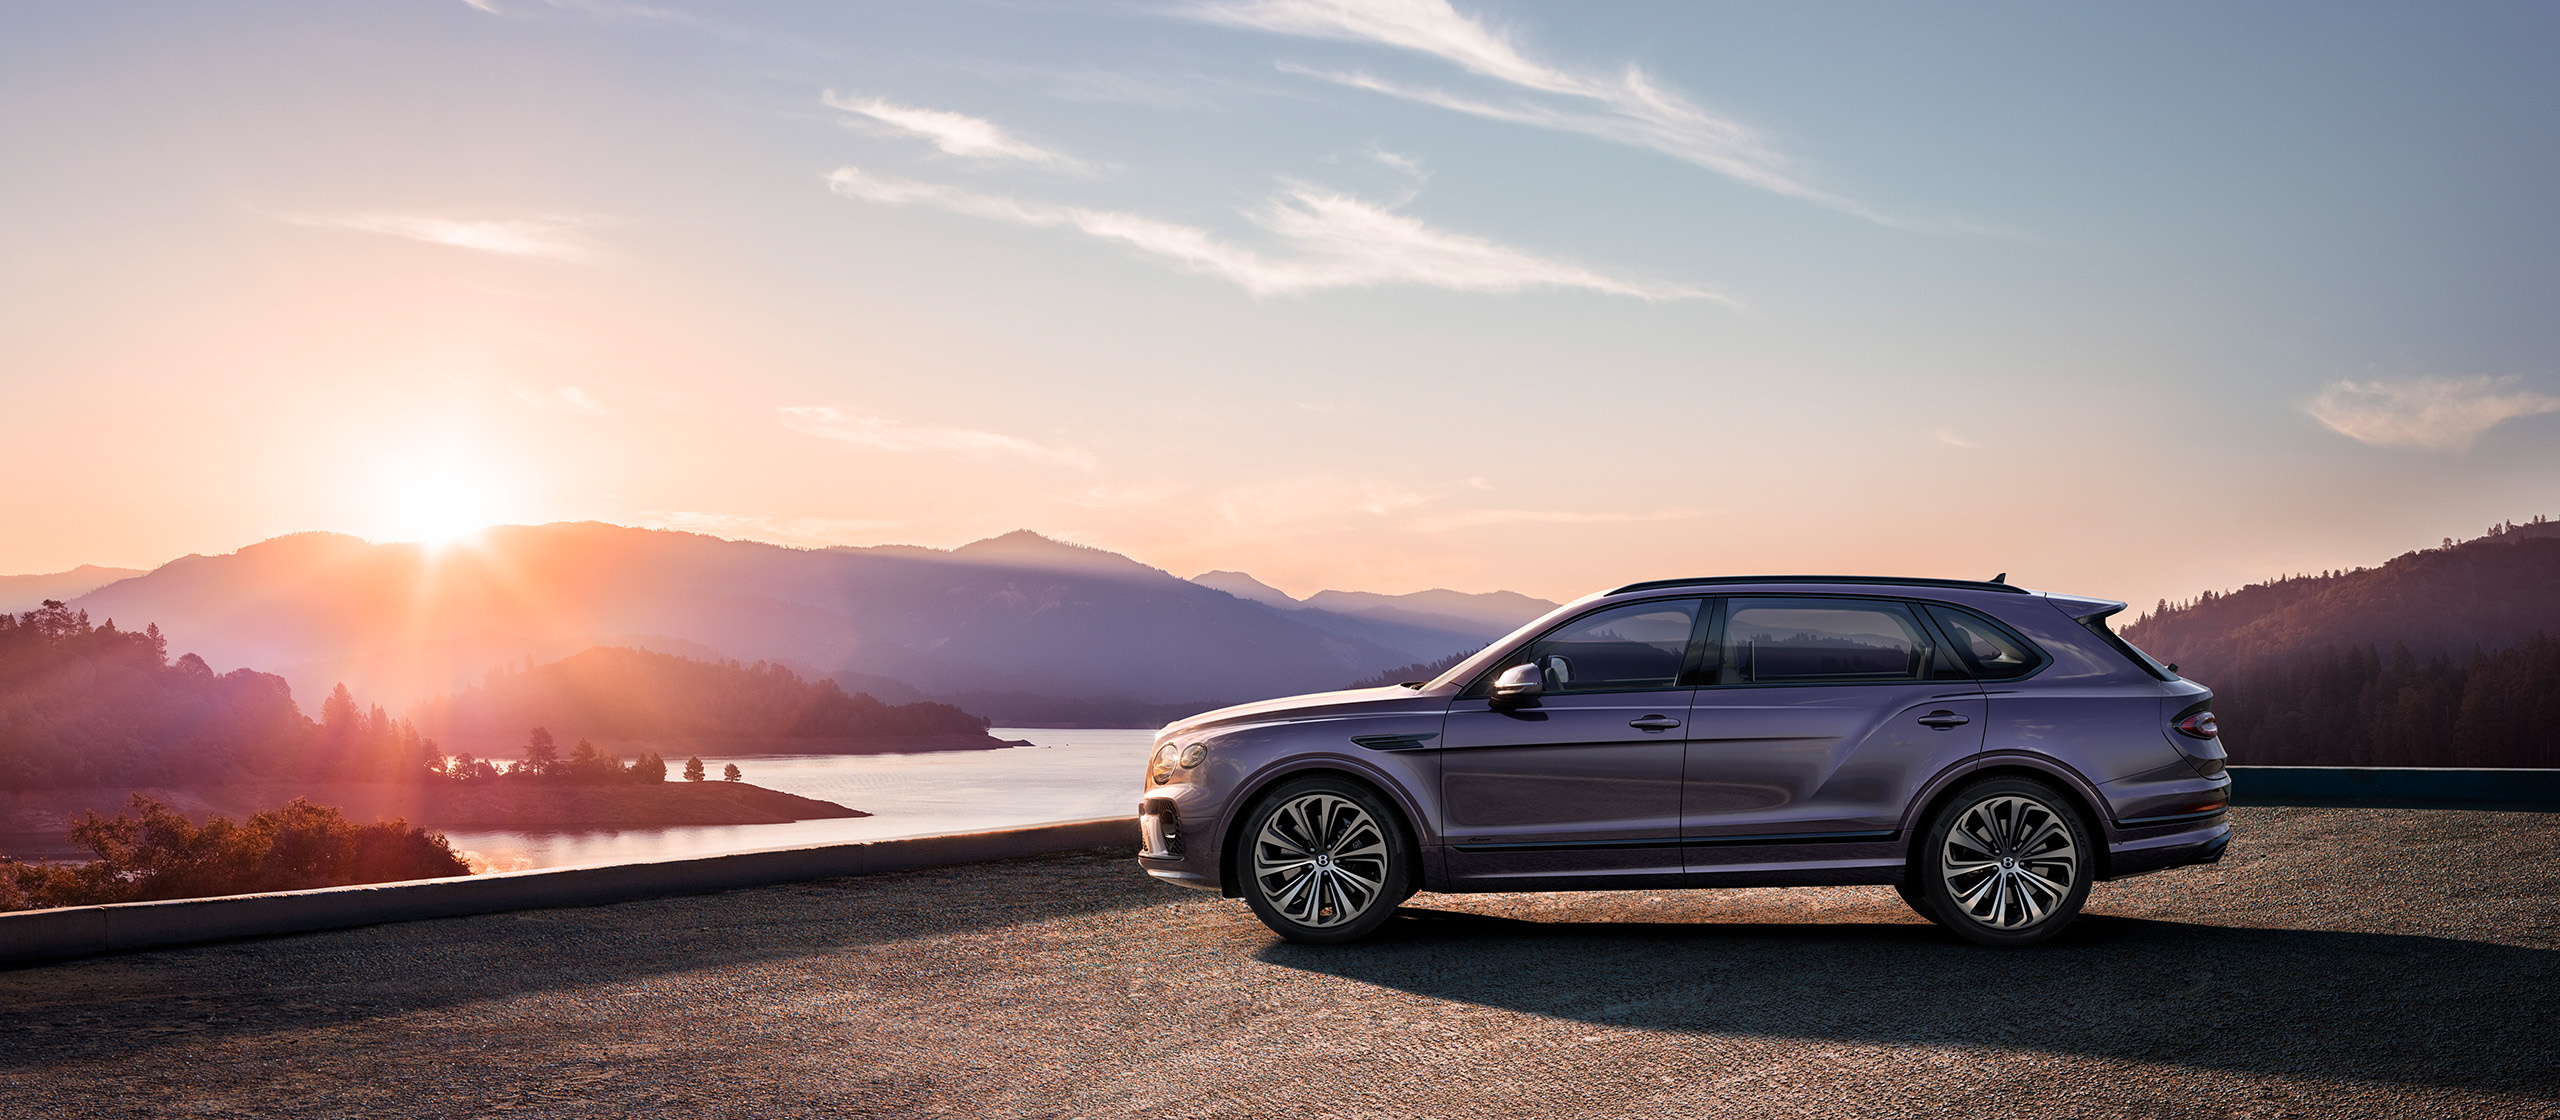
x=1654, y=723
x=1943, y=719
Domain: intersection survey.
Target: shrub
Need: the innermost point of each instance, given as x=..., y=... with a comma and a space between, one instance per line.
x=158, y=853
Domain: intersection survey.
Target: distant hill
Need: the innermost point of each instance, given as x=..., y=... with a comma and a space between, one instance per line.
x=1479, y=616
x=2445, y=656
x=26, y=593
x=1491, y=614
x=1438, y=627
x=1015, y=614
x=1246, y=587
x=634, y=695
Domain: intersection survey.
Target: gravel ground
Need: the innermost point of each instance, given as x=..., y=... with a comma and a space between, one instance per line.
x=2341, y=962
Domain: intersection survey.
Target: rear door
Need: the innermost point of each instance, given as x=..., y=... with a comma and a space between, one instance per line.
x=1584, y=785
x=1825, y=717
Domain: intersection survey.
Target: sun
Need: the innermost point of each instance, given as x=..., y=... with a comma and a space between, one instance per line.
x=438, y=507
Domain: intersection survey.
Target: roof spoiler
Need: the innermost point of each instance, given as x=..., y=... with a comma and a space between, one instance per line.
x=2084, y=610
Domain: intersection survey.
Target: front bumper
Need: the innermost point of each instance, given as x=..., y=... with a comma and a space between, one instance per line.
x=1167, y=850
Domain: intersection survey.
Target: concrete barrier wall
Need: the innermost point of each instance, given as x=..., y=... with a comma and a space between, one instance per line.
x=2399, y=784
x=79, y=930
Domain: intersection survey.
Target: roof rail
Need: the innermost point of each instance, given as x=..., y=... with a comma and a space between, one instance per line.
x=1916, y=581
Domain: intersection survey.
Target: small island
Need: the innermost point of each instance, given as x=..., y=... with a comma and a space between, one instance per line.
x=630, y=700
x=563, y=807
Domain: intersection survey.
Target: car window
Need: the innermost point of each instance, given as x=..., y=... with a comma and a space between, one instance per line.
x=1641, y=645
x=1784, y=640
x=1991, y=650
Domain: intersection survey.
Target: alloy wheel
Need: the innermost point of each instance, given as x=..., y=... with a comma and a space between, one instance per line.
x=1321, y=860
x=2009, y=862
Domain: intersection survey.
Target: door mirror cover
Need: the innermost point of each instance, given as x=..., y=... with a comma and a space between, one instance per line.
x=1519, y=684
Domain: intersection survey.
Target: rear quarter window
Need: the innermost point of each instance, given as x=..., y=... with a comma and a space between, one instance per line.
x=1991, y=651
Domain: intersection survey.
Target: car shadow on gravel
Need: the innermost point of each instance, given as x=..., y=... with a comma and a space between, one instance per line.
x=2387, y=1007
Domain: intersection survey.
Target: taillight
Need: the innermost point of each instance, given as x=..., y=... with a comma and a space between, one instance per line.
x=2200, y=725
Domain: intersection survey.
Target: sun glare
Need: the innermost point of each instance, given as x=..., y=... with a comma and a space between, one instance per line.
x=436, y=509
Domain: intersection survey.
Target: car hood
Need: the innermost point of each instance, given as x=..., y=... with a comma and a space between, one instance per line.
x=1391, y=700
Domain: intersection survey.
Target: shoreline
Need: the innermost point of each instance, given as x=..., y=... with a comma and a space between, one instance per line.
x=34, y=824
x=740, y=746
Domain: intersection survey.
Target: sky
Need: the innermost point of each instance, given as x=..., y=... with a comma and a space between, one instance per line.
x=1375, y=294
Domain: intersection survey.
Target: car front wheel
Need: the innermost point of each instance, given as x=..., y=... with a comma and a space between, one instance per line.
x=2007, y=861
x=1325, y=861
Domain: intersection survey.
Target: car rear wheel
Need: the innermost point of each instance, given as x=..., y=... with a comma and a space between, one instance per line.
x=2007, y=861
x=1325, y=861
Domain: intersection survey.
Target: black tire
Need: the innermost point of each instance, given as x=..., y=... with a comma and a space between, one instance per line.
x=1913, y=896
x=2006, y=861
x=1323, y=860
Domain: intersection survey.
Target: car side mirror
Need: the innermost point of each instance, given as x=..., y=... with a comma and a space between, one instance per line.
x=1519, y=684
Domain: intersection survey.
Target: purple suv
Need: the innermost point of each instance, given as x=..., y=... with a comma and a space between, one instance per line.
x=1986, y=750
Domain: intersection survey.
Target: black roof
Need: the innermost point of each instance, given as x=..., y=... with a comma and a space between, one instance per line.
x=1910, y=581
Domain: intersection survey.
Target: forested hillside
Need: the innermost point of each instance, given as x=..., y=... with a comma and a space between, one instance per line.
x=84, y=704
x=610, y=693
x=2445, y=656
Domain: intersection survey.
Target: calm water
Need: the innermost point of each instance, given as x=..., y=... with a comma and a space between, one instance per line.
x=1065, y=775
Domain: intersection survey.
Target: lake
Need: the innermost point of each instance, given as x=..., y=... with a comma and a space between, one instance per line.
x=1065, y=775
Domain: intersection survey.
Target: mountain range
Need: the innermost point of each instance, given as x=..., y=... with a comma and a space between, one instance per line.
x=2441, y=656
x=26, y=593
x=1015, y=616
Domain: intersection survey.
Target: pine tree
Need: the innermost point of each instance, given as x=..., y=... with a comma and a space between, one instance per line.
x=341, y=722
x=731, y=774
x=693, y=769
x=541, y=754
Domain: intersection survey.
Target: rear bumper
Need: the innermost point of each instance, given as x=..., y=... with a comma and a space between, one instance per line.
x=2179, y=847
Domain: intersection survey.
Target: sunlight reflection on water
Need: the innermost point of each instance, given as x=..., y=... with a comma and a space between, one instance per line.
x=1068, y=774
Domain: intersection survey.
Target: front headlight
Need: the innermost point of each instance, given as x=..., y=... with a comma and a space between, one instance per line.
x=1171, y=760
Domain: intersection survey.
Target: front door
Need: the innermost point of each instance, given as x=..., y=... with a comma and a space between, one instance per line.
x=1825, y=717
x=1582, y=787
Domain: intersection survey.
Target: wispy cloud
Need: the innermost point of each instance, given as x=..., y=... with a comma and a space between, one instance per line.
x=1624, y=107
x=580, y=399
x=2445, y=414
x=956, y=134
x=1313, y=503
x=550, y=238
x=883, y=434
x=1329, y=240
x=1483, y=518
